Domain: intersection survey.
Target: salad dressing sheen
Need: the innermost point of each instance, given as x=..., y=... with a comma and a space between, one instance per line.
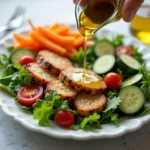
x=93, y=15
x=87, y=79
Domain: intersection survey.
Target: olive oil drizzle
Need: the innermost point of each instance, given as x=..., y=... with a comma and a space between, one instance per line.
x=85, y=49
x=92, y=16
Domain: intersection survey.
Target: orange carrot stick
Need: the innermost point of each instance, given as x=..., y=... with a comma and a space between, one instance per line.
x=74, y=34
x=69, y=55
x=31, y=24
x=78, y=42
x=21, y=39
x=54, y=26
x=47, y=44
x=61, y=40
x=28, y=42
x=72, y=50
x=62, y=30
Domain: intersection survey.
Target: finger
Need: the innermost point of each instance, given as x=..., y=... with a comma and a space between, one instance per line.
x=82, y=2
x=130, y=9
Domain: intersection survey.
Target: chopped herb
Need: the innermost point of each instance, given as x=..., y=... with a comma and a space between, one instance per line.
x=146, y=81
x=138, y=56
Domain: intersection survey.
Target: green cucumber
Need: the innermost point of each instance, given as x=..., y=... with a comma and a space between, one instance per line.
x=104, y=64
x=104, y=47
x=128, y=64
x=134, y=80
x=132, y=98
x=18, y=53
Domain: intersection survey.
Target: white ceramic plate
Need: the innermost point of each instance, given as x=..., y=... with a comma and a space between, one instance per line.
x=108, y=131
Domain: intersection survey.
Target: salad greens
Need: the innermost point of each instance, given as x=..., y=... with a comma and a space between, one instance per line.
x=146, y=82
x=138, y=56
x=3, y=60
x=78, y=58
x=45, y=109
x=13, y=77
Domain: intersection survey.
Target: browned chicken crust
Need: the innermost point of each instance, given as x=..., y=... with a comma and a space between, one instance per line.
x=66, y=78
x=39, y=75
x=52, y=62
x=87, y=103
x=66, y=93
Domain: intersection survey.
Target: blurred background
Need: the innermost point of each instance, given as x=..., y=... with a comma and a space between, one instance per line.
x=43, y=12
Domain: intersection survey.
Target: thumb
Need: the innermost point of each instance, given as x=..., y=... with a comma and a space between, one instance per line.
x=130, y=8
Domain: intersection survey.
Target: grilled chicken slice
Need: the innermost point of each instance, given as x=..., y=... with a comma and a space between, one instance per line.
x=52, y=62
x=87, y=103
x=39, y=75
x=65, y=92
x=73, y=77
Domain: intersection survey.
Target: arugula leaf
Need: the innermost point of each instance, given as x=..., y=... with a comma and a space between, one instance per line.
x=22, y=106
x=9, y=70
x=138, y=56
x=7, y=89
x=112, y=104
x=10, y=49
x=14, y=77
x=78, y=59
x=146, y=111
x=146, y=81
x=110, y=116
x=75, y=127
x=119, y=71
x=44, y=110
x=111, y=94
x=3, y=60
x=114, y=118
x=91, y=121
x=118, y=41
x=65, y=106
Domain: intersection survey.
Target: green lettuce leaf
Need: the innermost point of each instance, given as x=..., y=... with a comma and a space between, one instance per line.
x=44, y=110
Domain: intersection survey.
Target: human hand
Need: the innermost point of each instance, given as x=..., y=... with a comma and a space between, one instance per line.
x=129, y=9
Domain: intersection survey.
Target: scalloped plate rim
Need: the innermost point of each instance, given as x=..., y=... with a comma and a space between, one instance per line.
x=72, y=134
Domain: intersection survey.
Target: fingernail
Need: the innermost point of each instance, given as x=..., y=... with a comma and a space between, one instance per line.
x=129, y=15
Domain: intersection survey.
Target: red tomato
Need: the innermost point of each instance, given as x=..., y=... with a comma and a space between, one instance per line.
x=25, y=60
x=28, y=95
x=113, y=80
x=124, y=50
x=64, y=119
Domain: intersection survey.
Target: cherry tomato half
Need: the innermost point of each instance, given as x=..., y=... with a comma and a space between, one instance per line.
x=28, y=95
x=25, y=60
x=113, y=80
x=124, y=50
x=64, y=119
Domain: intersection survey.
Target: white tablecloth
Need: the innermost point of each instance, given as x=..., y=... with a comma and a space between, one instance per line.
x=15, y=137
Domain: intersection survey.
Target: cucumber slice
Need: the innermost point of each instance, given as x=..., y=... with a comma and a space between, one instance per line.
x=104, y=64
x=134, y=80
x=104, y=47
x=132, y=100
x=18, y=53
x=128, y=64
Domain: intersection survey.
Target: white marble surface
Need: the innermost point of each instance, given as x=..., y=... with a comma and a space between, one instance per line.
x=15, y=137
